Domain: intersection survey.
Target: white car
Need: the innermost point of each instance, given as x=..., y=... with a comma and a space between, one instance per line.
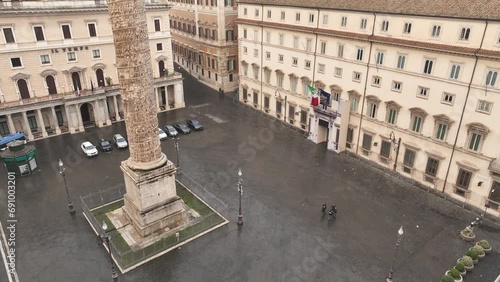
x=119, y=141
x=162, y=134
x=88, y=149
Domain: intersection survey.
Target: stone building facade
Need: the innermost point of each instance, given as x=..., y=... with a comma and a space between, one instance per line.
x=422, y=73
x=205, y=40
x=59, y=71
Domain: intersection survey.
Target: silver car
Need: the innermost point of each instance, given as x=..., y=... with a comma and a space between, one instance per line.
x=119, y=141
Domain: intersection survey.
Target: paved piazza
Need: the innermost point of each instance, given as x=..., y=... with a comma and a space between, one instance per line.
x=284, y=238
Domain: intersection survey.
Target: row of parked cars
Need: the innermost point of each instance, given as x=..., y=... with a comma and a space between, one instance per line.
x=119, y=142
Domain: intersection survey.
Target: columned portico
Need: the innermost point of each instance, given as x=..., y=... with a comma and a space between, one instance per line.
x=10, y=124
x=26, y=126
x=41, y=123
x=54, y=120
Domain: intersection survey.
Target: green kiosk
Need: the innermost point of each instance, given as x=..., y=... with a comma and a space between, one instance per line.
x=20, y=158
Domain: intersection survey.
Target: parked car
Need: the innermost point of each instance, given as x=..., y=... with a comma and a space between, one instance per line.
x=88, y=149
x=104, y=145
x=182, y=128
x=195, y=125
x=170, y=130
x=119, y=141
x=162, y=134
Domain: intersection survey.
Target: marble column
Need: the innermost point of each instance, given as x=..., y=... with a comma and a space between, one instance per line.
x=106, y=112
x=69, y=121
x=117, y=114
x=97, y=113
x=41, y=123
x=27, y=129
x=179, y=96
x=157, y=93
x=10, y=124
x=54, y=118
x=81, y=128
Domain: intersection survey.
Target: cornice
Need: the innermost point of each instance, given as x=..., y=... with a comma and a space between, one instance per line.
x=14, y=11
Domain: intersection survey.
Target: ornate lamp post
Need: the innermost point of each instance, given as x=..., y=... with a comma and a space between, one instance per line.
x=240, y=191
x=398, y=242
x=487, y=205
x=397, y=145
x=176, y=143
x=105, y=238
x=63, y=173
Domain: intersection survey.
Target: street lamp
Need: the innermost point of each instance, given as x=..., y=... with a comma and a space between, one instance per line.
x=63, y=173
x=105, y=238
x=176, y=143
x=398, y=242
x=397, y=145
x=487, y=205
x=240, y=191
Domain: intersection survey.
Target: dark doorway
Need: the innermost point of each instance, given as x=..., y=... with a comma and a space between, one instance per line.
x=163, y=96
x=22, y=85
x=33, y=124
x=323, y=131
x=87, y=114
x=51, y=84
x=100, y=77
x=76, y=81
x=161, y=67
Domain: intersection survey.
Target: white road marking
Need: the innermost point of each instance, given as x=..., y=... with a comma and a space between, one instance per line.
x=3, y=241
x=216, y=119
x=201, y=105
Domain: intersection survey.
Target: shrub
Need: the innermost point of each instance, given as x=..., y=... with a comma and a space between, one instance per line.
x=454, y=273
x=468, y=232
x=447, y=278
x=478, y=249
x=484, y=244
x=467, y=261
x=472, y=253
x=460, y=266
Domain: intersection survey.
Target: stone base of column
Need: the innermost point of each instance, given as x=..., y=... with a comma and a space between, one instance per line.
x=180, y=105
x=58, y=130
x=151, y=202
x=108, y=122
x=45, y=134
x=100, y=124
x=81, y=128
x=72, y=130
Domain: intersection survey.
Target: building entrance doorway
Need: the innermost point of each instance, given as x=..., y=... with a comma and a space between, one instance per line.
x=323, y=131
x=87, y=112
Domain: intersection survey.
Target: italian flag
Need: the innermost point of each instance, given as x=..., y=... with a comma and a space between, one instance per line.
x=315, y=97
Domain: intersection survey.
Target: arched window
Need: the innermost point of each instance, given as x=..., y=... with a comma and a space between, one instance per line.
x=75, y=77
x=161, y=67
x=51, y=84
x=22, y=85
x=100, y=77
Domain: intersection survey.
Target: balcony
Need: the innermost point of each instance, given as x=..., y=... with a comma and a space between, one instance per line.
x=328, y=112
x=169, y=77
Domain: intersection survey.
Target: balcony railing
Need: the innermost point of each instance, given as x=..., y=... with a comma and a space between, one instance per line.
x=328, y=111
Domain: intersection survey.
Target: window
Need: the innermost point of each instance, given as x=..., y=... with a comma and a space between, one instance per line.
x=448, y=98
x=267, y=77
x=436, y=31
x=392, y=116
x=66, y=31
x=336, y=96
x=255, y=35
x=372, y=110
x=268, y=55
x=340, y=50
x=385, y=149
x=291, y=112
x=385, y=26
x=343, y=22
x=356, y=76
x=463, y=181
x=244, y=32
x=245, y=11
x=159, y=46
x=367, y=143
x=325, y=19
x=359, y=55
x=464, y=34
x=475, y=139
x=416, y=125
x=257, y=12
x=280, y=58
x=245, y=50
x=380, y=58
x=401, y=62
x=307, y=64
x=323, y=47
x=338, y=72
x=293, y=85
x=266, y=102
x=283, y=15
x=423, y=92
x=255, y=98
x=16, y=62
x=9, y=35
x=407, y=28
x=282, y=39
x=45, y=59
x=321, y=68
x=295, y=42
x=279, y=80
x=268, y=14
x=455, y=71
x=39, y=35
x=268, y=37
x=297, y=17
x=96, y=54
x=4, y=128
x=71, y=56
x=397, y=86
x=441, y=130
x=230, y=64
x=431, y=167
x=311, y=18
x=428, y=66
x=354, y=103
x=93, y=31
x=408, y=160
x=350, y=137
x=363, y=24
x=309, y=44
x=256, y=73
x=491, y=78
x=256, y=53
x=245, y=70
x=295, y=62
x=484, y=106
x=278, y=107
